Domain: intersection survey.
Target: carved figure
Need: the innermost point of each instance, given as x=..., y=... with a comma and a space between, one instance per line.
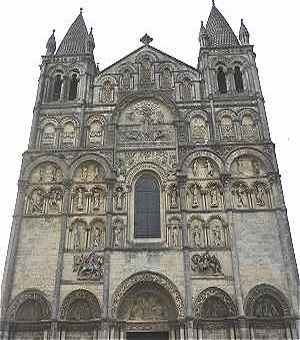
x=194, y=190
x=206, y=264
x=84, y=171
x=203, y=168
x=37, y=202
x=119, y=198
x=199, y=129
x=196, y=236
x=214, y=197
x=96, y=133
x=175, y=236
x=80, y=199
x=173, y=197
x=240, y=193
x=98, y=237
x=259, y=193
x=117, y=237
x=216, y=236
x=55, y=197
x=97, y=197
x=77, y=238
x=147, y=307
x=88, y=266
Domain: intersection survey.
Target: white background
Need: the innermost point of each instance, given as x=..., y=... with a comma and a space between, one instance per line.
x=118, y=25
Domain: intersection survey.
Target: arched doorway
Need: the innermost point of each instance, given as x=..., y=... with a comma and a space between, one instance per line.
x=147, y=304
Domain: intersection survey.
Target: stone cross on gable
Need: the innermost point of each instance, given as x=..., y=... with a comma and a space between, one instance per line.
x=146, y=39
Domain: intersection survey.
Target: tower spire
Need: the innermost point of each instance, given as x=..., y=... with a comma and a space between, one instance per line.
x=75, y=41
x=213, y=3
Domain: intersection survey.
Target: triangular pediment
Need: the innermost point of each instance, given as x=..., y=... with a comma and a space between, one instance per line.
x=156, y=56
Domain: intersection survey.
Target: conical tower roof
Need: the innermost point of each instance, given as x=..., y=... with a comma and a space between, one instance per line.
x=75, y=40
x=219, y=31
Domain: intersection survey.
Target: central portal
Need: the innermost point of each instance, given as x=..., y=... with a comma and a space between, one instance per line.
x=148, y=336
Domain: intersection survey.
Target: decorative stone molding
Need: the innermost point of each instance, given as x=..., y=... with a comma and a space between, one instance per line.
x=216, y=293
x=265, y=290
x=30, y=295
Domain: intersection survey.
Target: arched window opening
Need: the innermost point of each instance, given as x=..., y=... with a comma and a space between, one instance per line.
x=221, y=77
x=57, y=87
x=48, y=136
x=107, y=92
x=147, y=208
x=186, y=90
x=166, y=79
x=238, y=79
x=73, y=86
x=146, y=71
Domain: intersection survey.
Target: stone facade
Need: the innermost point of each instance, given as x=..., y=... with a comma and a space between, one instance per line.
x=221, y=265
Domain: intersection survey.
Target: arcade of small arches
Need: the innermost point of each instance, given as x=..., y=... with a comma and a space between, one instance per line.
x=152, y=301
x=86, y=192
x=230, y=127
x=231, y=77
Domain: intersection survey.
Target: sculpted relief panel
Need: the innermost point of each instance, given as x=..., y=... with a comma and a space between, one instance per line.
x=130, y=159
x=146, y=121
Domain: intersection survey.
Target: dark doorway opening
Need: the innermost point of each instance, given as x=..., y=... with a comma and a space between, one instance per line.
x=148, y=336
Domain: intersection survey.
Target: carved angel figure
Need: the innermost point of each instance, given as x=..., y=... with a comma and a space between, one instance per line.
x=213, y=197
x=196, y=236
x=55, y=197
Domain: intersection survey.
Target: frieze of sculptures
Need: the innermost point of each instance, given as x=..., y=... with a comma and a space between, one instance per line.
x=206, y=264
x=88, y=266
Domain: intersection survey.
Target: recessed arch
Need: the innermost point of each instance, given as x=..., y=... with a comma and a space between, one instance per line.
x=30, y=305
x=80, y=305
x=266, y=301
x=214, y=303
x=152, y=280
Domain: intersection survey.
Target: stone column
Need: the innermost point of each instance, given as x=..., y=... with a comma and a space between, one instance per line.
x=186, y=255
x=60, y=255
x=107, y=250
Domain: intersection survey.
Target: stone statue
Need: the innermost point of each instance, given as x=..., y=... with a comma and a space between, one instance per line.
x=173, y=197
x=194, y=190
x=77, y=238
x=213, y=195
x=55, y=197
x=240, y=193
x=216, y=236
x=119, y=196
x=259, y=193
x=97, y=199
x=80, y=199
x=117, y=237
x=197, y=236
x=84, y=173
x=175, y=236
x=37, y=202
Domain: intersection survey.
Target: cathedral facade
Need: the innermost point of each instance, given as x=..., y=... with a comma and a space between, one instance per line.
x=149, y=202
